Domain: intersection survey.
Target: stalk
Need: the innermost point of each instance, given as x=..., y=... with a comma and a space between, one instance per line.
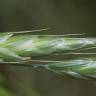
x=23, y=46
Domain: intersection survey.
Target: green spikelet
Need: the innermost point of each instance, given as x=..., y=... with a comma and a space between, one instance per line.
x=18, y=46
x=79, y=67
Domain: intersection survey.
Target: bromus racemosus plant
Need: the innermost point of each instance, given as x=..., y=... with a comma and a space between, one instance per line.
x=19, y=48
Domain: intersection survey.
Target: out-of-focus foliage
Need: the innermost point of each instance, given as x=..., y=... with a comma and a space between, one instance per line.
x=3, y=91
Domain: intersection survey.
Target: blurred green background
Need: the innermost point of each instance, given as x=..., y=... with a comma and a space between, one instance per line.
x=62, y=17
